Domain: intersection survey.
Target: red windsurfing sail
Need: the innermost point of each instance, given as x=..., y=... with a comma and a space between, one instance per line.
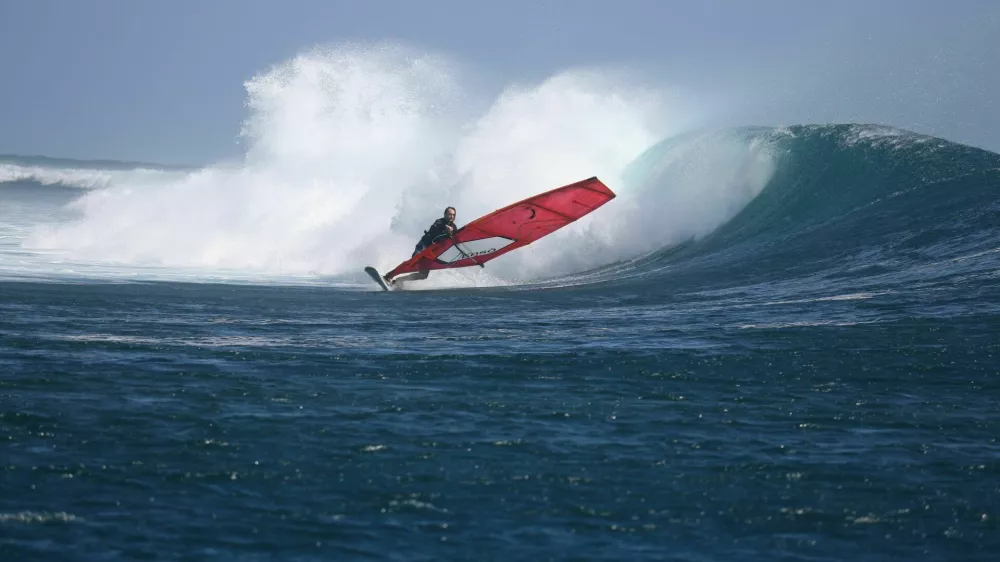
x=510, y=228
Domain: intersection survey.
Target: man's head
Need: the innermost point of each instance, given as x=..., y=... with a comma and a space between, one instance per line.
x=449, y=214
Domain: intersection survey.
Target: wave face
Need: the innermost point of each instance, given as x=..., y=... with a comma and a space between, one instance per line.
x=847, y=207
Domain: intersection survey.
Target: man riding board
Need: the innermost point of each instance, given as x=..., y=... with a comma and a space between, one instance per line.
x=442, y=227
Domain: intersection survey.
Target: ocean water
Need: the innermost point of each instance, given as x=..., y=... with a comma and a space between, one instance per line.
x=775, y=344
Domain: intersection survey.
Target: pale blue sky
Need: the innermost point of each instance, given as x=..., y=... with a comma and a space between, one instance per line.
x=163, y=81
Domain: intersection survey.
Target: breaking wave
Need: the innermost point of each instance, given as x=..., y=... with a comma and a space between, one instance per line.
x=352, y=151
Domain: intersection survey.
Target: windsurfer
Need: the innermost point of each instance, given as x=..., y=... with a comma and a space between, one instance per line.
x=444, y=226
x=497, y=233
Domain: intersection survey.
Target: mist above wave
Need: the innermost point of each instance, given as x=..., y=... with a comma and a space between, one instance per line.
x=353, y=150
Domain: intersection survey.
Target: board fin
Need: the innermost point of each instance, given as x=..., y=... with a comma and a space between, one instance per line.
x=371, y=271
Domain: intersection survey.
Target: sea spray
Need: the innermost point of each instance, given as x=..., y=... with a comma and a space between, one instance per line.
x=352, y=151
x=334, y=138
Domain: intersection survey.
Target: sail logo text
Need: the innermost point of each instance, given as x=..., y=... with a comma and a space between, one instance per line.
x=473, y=248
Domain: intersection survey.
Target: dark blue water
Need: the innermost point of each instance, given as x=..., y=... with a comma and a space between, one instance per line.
x=818, y=379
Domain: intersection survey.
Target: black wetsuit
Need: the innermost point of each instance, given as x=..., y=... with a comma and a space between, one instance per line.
x=434, y=233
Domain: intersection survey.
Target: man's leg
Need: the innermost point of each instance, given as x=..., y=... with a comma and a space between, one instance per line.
x=418, y=276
